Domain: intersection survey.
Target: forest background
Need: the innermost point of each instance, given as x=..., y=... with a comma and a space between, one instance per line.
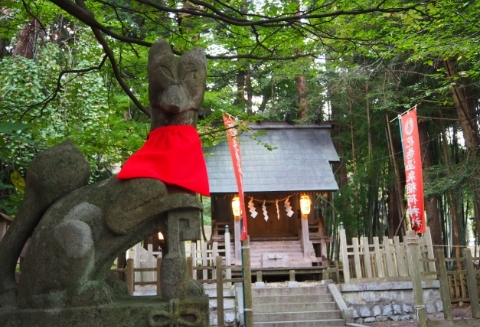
x=75, y=69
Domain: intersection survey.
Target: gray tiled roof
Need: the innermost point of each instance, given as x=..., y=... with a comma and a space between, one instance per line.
x=300, y=162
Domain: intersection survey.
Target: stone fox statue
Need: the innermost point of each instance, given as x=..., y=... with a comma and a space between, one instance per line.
x=79, y=229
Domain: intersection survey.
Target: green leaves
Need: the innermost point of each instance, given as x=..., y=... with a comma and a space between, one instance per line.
x=8, y=128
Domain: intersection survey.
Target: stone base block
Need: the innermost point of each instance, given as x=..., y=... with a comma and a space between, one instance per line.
x=138, y=312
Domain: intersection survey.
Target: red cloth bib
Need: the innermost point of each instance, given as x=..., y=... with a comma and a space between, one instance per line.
x=172, y=154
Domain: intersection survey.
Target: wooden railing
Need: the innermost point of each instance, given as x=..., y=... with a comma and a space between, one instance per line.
x=204, y=257
x=467, y=273
x=364, y=261
x=220, y=273
x=458, y=273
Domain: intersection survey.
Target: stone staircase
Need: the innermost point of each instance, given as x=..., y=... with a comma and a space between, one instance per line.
x=295, y=307
x=288, y=253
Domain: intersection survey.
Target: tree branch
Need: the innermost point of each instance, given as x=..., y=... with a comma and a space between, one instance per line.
x=113, y=62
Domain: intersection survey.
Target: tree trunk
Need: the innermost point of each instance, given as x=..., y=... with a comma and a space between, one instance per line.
x=465, y=99
x=249, y=91
x=395, y=191
x=26, y=40
x=431, y=203
x=302, y=97
x=452, y=203
x=3, y=48
x=240, y=99
x=301, y=83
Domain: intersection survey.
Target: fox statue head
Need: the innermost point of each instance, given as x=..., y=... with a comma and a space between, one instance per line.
x=176, y=85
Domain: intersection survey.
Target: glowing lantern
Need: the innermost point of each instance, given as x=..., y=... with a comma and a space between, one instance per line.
x=236, y=206
x=305, y=204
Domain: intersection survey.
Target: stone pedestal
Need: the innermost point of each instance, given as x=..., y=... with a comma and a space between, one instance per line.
x=138, y=312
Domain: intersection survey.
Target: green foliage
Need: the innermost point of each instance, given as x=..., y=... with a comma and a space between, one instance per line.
x=363, y=62
x=456, y=176
x=36, y=114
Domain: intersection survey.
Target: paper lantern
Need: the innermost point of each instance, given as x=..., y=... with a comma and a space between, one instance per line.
x=305, y=204
x=236, y=206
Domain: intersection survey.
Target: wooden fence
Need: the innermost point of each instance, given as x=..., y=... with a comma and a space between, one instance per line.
x=216, y=270
x=203, y=259
x=458, y=272
x=364, y=261
x=466, y=268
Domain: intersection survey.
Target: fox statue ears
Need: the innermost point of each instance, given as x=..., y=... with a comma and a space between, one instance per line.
x=161, y=47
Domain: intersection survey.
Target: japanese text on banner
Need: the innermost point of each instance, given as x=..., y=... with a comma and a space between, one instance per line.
x=413, y=170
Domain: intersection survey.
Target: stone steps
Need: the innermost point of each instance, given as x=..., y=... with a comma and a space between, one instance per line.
x=295, y=307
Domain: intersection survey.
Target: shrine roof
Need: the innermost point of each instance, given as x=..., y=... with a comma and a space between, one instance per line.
x=300, y=160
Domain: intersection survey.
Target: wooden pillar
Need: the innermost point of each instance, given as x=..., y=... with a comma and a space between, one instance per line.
x=344, y=250
x=412, y=252
x=391, y=269
x=356, y=258
x=220, y=313
x=204, y=261
x=194, y=258
x=444, y=288
x=228, y=258
x=366, y=257
x=214, y=262
x=130, y=277
x=291, y=274
x=190, y=267
x=472, y=283
x=247, y=283
x=323, y=249
x=305, y=237
x=159, y=277
x=259, y=276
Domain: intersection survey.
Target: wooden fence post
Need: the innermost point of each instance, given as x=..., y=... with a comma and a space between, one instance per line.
x=366, y=257
x=378, y=257
x=471, y=283
x=204, y=261
x=412, y=251
x=391, y=271
x=190, y=267
x=344, y=249
x=130, y=276
x=400, y=256
x=337, y=272
x=428, y=240
x=444, y=288
x=159, y=277
x=259, y=276
x=220, y=314
x=214, y=255
x=194, y=256
x=356, y=258
x=228, y=257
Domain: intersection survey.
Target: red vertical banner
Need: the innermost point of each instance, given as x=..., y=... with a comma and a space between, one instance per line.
x=413, y=170
x=234, y=145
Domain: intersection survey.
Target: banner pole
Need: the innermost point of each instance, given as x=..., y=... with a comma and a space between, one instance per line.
x=405, y=112
x=247, y=283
